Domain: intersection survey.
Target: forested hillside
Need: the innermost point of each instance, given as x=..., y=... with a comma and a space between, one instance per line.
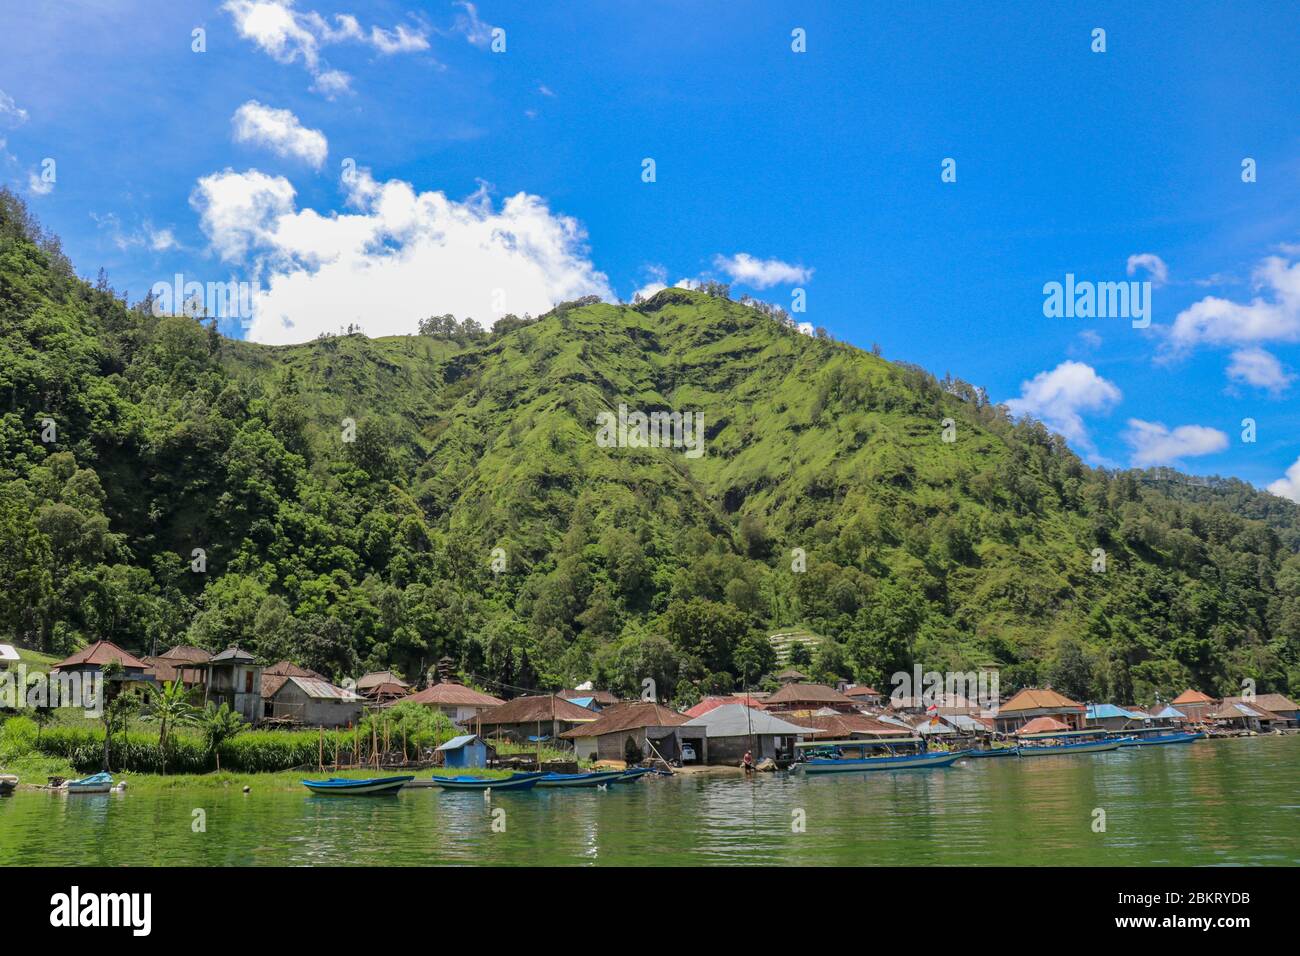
x=619, y=563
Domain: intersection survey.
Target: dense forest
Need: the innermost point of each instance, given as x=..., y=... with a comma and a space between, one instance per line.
x=352, y=503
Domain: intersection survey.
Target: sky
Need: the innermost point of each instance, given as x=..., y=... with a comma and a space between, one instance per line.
x=916, y=176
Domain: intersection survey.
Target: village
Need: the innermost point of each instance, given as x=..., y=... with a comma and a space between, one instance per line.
x=578, y=734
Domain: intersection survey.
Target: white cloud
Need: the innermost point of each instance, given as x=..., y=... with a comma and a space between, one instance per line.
x=290, y=36
x=10, y=111
x=279, y=131
x=38, y=185
x=1257, y=367
x=1060, y=396
x=472, y=27
x=1288, y=487
x=1274, y=317
x=400, y=256
x=1154, y=444
x=760, y=273
x=659, y=281
x=1151, y=263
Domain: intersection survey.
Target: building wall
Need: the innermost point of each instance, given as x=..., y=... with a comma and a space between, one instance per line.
x=290, y=701
x=729, y=751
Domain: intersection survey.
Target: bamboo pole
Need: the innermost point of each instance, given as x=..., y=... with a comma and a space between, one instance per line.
x=320, y=750
x=374, y=743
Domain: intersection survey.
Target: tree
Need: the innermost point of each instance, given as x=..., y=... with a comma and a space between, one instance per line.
x=218, y=724
x=171, y=708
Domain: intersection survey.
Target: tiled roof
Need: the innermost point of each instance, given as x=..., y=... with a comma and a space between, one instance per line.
x=801, y=693
x=290, y=669
x=1190, y=696
x=1274, y=703
x=99, y=654
x=450, y=694
x=1033, y=698
x=523, y=710
x=602, y=697
x=187, y=653
x=844, y=726
x=378, y=679
x=1043, y=725
x=630, y=717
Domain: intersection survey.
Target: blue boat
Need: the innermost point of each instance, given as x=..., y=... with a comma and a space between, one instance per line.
x=95, y=783
x=892, y=753
x=886, y=762
x=516, y=781
x=591, y=779
x=633, y=773
x=992, y=752
x=1154, y=739
x=1067, y=742
x=367, y=787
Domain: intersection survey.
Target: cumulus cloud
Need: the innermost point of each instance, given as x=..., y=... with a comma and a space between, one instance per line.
x=1150, y=263
x=280, y=131
x=1059, y=398
x=760, y=273
x=1260, y=368
x=1273, y=316
x=398, y=256
x=471, y=26
x=1154, y=444
x=288, y=35
x=11, y=112
x=1288, y=486
x=659, y=281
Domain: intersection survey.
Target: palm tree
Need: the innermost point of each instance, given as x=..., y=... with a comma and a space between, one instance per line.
x=219, y=725
x=170, y=707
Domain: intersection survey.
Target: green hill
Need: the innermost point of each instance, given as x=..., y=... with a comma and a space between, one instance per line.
x=619, y=562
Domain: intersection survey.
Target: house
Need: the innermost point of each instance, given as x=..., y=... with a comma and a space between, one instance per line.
x=1240, y=716
x=1110, y=717
x=92, y=659
x=652, y=728
x=724, y=734
x=1282, y=710
x=867, y=696
x=313, y=703
x=835, y=726
x=792, y=676
x=290, y=669
x=467, y=751
x=182, y=663
x=234, y=677
x=1035, y=702
x=600, y=699
x=795, y=698
x=938, y=703
x=382, y=686
x=543, y=717
x=1043, y=725
x=1167, y=716
x=462, y=704
x=7, y=656
x=709, y=703
x=1195, y=705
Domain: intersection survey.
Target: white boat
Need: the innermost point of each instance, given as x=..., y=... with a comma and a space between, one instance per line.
x=96, y=783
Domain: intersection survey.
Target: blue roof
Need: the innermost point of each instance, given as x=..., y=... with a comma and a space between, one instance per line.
x=1103, y=711
x=1169, y=712
x=457, y=742
x=582, y=701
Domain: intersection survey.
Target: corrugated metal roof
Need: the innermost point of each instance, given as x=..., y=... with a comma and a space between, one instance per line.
x=737, y=720
x=457, y=742
x=322, y=690
x=7, y=653
x=1106, y=711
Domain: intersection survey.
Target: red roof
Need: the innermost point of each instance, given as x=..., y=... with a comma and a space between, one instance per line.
x=844, y=726
x=709, y=703
x=1034, y=698
x=1190, y=696
x=451, y=694
x=99, y=654
x=527, y=710
x=862, y=690
x=808, y=693
x=290, y=669
x=629, y=717
x=1043, y=725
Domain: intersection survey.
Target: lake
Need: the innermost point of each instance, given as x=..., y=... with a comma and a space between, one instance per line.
x=1209, y=802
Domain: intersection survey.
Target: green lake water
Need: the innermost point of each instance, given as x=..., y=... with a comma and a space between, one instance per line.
x=1210, y=802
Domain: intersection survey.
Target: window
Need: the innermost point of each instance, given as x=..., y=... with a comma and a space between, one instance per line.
x=248, y=682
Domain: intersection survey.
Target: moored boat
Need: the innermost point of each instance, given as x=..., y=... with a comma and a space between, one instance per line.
x=884, y=762
x=590, y=779
x=991, y=752
x=8, y=784
x=633, y=773
x=517, y=781
x=367, y=787
x=1067, y=742
x=95, y=783
x=1152, y=740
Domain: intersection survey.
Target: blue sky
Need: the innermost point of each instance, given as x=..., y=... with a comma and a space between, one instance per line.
x=507, y=180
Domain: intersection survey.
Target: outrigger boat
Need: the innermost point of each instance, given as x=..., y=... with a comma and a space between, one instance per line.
x=1055, y=742
x=96, y=783
x=368, y=787
x=991, y=752
x=889, y=760
x=517, y=781
x=1150, y=740
x=634, y=773
x=591, y=779
x=8, y=784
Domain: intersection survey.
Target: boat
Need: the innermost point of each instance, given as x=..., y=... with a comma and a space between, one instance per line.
x=367, y=787
x=836, y=756
x=96, y=783
x=516, y=781
x=590, y=779
x=8, y=784
x=1067, y=742
x=992, y=752
x=633, y=773
x=884, y=762
x=1151, y=740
